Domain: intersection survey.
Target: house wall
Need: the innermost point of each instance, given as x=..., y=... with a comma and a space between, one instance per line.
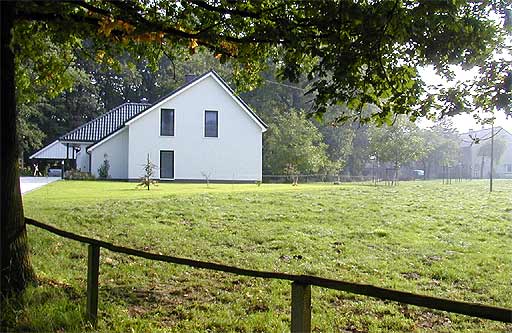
x=82, y=158
x=234, y=155
x=506, y=159
x=500, y=165
x=116, y=151
x=54, y=151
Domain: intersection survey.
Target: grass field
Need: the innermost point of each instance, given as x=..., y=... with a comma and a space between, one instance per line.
x=452, y=241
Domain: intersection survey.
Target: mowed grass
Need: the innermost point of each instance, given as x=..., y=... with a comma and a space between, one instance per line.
x=452, y=241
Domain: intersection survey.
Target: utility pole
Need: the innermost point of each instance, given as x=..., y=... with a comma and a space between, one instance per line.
x=492, y=156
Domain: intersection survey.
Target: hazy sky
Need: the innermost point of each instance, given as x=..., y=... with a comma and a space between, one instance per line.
x=462, y=122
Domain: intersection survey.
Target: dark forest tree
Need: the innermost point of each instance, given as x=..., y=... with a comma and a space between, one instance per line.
x=357, y=52
x=294, y=143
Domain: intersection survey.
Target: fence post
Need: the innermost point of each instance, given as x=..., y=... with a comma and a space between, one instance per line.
x=301, y=308
x=93, y=270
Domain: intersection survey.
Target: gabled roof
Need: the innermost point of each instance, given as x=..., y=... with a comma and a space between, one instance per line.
x=54, y=151
x=198, y=79
x=239, y=99
x=105, y=124
x=467, y=138
x=103, y=127
x=176, y=92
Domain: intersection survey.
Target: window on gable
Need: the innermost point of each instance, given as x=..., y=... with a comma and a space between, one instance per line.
x=167, y=122
x=211, y=124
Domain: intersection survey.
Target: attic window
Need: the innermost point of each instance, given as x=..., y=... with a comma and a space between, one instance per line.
x=167, y=122
x=211, y=124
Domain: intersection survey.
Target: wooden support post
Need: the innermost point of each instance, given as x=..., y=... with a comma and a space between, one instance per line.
x=301, y=308
x=93, y=270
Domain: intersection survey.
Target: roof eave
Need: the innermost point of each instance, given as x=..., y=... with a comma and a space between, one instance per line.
x=76, y=141
x=243, y=104
x=99, y=142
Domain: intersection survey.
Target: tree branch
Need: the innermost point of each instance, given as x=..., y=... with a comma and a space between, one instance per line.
x=221, y=10
x=89, y=7
x=22, y=15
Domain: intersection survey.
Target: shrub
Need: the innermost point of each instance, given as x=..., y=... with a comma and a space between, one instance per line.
x=26, y=171
x=292, y=171
x=206, y=176
x=149, y=171
x=103, y=170
x=78, y=175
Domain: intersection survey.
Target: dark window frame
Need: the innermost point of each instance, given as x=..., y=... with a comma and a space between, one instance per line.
x=216, y=124
x=173, y=164
x=172, y=122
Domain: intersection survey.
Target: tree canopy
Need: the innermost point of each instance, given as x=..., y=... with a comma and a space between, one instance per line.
x=399, y=144
x=441, y=147
x=353, y=53
x=294, y=143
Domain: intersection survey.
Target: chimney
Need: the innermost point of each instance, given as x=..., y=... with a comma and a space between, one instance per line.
x=189, y=77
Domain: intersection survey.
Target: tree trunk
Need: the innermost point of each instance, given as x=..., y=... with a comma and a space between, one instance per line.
x=482, y=167
x=16, y=270
x=425, y=170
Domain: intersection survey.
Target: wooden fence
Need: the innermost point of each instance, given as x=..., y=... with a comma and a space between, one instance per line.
x=300, y=286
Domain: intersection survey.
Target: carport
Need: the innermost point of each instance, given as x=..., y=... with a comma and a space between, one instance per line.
x=56, y=152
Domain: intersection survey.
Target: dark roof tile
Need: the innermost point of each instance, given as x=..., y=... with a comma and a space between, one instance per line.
x=105, y=124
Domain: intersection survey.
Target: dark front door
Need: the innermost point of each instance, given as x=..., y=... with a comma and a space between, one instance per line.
x=167, y=164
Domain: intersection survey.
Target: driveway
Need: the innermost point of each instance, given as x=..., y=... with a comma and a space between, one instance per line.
x=28, y=184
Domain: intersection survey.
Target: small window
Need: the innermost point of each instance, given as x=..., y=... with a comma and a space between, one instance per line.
x=167, y=164
x=509, y=167
x=211, y=124
x=167, y=122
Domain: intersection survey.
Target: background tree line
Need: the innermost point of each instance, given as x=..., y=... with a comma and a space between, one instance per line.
x=294, y=143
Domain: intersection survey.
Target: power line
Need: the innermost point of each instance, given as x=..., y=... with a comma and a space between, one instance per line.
x=285, y=85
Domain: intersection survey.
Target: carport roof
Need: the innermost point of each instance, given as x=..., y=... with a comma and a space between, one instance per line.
x=54, y=151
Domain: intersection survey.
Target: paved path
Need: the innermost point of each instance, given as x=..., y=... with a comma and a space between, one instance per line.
x=28, y=184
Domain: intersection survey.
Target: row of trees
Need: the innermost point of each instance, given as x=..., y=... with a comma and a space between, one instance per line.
x=293, y=144
x=405, y=143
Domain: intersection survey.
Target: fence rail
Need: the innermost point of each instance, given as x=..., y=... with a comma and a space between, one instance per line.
x=301, y=284
x=315, y=178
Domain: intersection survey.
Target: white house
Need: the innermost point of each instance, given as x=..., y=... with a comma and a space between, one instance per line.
x=200, y=130
x=477, y=159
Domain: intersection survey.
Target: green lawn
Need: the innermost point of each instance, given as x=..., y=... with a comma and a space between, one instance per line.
x=452, y=241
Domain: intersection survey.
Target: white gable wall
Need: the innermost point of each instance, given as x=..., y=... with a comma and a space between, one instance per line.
x=82, y=158
x=234, y=155
x=116, y=150
x=500, y=165
x=506, y=158
x=54, y=151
